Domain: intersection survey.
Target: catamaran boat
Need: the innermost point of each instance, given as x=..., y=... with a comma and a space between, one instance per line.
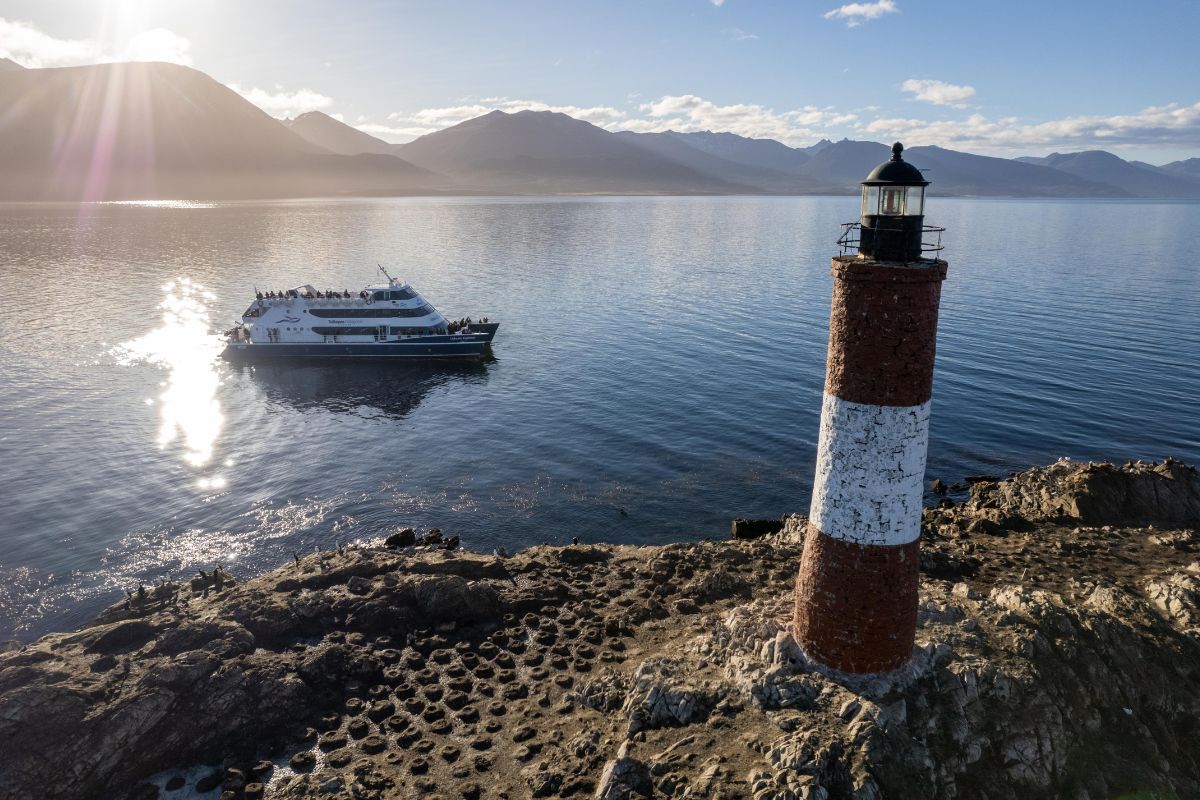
x=384, y=321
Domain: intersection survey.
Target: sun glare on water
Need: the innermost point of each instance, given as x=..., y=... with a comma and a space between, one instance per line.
x=189, y=411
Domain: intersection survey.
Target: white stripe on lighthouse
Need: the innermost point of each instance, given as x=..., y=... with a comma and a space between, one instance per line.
x=870, y=472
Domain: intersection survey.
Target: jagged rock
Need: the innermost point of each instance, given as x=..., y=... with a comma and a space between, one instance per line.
x=717, y=584
x=660, y=697
x=450, y=597
x=624, y=777
x=1178, y=598
x=405, y=537
x=605, y=693
x=754, y=528
x=1098, y=494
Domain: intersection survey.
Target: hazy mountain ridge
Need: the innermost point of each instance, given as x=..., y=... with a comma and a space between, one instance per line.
x=336, y=136
x=1138, y=179
x=161, y=130
x=1188, y=168
x=153, y=130
x=551, y=152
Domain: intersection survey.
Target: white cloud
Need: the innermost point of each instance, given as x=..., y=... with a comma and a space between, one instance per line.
x=1172, y=125
x=282, y=103
x=683, y=113
x=388, y=132
x=427, y=120
x=717, y=3
x=856, y=14
x=939, y=92
x=739, y=35
x=687, y=113
x=30, y=47
x=159, y=44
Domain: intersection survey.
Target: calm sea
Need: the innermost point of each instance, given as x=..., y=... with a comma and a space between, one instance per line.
x=658, y=371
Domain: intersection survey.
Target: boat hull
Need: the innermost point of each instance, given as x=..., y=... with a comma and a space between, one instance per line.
x=414, y=351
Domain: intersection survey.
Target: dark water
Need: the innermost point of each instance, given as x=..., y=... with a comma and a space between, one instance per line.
x=661, y=356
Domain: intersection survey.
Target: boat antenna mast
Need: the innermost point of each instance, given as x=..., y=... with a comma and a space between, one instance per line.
x=391, y=280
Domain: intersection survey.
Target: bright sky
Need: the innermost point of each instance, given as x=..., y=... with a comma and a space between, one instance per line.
x=1010, y=78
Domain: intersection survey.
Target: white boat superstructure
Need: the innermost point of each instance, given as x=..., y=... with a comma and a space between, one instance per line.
x=381, y=320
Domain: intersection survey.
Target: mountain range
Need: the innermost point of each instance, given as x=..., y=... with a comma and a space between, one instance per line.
x=151, y=130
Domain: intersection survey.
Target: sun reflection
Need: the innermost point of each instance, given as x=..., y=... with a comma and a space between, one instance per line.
x=189, y=410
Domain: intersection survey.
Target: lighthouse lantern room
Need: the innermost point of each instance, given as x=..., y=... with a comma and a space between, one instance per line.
x=893, y=211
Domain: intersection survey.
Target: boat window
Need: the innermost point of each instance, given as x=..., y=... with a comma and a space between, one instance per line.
x=339, y=331
x=360, y=313
x=401, y=294
x=379, y=296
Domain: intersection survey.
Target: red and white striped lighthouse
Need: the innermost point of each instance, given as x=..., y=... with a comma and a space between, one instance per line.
x=856, y=594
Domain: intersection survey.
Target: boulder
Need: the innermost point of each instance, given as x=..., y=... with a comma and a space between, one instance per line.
x=754, y=528
x=404, y=537
x=1097, y=494
x=624, y=777
x=451, y=598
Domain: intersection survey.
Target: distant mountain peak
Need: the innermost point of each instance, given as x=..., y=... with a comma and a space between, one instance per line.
x=8, y=65
x=330, y=133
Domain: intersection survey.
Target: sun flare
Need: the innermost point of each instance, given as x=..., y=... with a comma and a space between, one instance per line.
x=190, y=412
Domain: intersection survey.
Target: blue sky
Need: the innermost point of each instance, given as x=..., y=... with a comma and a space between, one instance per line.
x=1005, y=78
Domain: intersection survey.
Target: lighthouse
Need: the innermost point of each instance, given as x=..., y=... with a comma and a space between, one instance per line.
x=856, y=592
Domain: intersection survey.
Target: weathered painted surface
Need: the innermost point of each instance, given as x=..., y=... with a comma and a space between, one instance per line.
x=856, y=594
x=870, y=468
x=883, y=332
x=856, y=606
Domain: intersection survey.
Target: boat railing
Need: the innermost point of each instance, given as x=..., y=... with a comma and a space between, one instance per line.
x=316, y=302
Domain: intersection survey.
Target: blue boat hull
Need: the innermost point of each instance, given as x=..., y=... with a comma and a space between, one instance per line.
x=428, y=348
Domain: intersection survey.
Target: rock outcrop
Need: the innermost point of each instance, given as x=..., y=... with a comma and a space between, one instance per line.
x=1097, y=494
x=1058, y=656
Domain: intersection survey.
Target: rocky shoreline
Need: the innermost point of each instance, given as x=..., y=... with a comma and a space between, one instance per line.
x=1058, y=656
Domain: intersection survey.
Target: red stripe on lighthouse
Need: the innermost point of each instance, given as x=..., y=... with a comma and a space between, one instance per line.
x=856, y=605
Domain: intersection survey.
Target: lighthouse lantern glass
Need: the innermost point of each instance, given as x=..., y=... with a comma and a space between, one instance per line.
x=914, y=205
x=891, y=201
x=870, y=200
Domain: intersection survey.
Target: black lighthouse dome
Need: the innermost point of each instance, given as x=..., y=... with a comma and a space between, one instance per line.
x=896, y=171
x=893, y=211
